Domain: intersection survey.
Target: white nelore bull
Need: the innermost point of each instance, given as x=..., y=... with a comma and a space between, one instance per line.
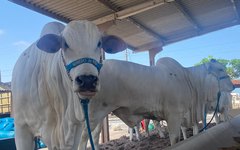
x=207, y=90
x=50, y=78
x=207, y=81
x=164, y=92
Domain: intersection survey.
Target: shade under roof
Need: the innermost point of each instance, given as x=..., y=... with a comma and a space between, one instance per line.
x=145, y=24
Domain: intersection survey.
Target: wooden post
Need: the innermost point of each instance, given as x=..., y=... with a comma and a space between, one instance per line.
x=105, y=128
x=152, y=54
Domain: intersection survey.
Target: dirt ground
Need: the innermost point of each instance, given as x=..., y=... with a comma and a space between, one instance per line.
x=119, y=138
x=152, y=142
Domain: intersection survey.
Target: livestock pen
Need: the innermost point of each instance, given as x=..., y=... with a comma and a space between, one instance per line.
x=146, y=25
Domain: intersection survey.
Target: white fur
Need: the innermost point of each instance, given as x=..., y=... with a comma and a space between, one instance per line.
x=164, y=92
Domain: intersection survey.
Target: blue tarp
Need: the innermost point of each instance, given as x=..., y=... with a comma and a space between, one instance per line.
x=7, y=130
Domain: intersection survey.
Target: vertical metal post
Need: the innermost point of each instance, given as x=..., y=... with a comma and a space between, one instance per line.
x=152, y=53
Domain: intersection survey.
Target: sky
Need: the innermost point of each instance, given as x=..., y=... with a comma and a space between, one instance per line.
x=19, y=27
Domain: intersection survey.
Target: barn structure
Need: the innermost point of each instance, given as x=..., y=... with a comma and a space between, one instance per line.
x=145, y=25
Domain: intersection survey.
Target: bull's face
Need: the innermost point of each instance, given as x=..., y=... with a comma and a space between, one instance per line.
x=218, y=70
x=81, y=43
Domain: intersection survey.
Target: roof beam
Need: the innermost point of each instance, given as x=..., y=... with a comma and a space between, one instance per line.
x=149, y=46
x=40, y=10
x=128, y=11
x=202, y=32
x=186, y=13
x=236, y=7
x=134, y=21
x=160, y=38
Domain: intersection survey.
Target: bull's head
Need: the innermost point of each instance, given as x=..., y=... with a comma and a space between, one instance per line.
x=81, y=43
x=219, y=72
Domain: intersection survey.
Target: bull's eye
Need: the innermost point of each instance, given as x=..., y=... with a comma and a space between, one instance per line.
x=99, y=44
x=220, y=70
x=65, y=45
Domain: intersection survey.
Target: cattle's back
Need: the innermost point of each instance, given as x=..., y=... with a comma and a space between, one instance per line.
x=144, y=88
x=182, y=89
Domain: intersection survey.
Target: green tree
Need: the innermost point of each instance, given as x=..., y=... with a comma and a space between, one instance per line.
x=232, y=66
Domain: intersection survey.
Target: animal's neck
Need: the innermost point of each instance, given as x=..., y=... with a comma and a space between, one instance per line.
x=128, y=83
x=198, y=74
x=131, y=76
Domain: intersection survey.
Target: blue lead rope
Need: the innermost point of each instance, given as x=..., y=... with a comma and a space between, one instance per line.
x=84, y=103
x=215, y=112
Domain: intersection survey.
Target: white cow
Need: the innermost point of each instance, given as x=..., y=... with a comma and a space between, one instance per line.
x=164, y=92
x=206, y=88
x=51, y=77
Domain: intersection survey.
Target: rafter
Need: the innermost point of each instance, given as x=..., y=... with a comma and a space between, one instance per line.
x=128, y=12
x=187, y=14
x=41, y=10
x=117, y=12
x=236, y=6
x=148, y=46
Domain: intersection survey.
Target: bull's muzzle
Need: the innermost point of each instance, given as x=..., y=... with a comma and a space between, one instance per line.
x=87, y=83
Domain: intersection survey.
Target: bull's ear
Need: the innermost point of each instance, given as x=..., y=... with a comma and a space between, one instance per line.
x=50, y=43
x=113, y=44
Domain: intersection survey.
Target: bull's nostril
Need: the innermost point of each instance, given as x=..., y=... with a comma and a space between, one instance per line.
x=79, y=80
x=95, y=79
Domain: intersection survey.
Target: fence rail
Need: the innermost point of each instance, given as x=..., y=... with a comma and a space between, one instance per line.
x=5, y=102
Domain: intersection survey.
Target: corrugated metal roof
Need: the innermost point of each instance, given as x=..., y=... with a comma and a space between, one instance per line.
x=145, y=24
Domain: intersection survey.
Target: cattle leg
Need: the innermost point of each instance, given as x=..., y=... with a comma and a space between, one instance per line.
x=184, y=132
x=137, y=131
x=77, y=137
x=136, y=128
x=131, y=133
x=174, y=130
x=83, y=139
x=146, y=122
x=24, y=138
x=96, y=135
x=225, y=116
x=195, y=129
x=159, y=128
x=217, y=118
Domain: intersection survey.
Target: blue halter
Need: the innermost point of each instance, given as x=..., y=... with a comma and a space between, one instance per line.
x=84, y=102
x=82, y=61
